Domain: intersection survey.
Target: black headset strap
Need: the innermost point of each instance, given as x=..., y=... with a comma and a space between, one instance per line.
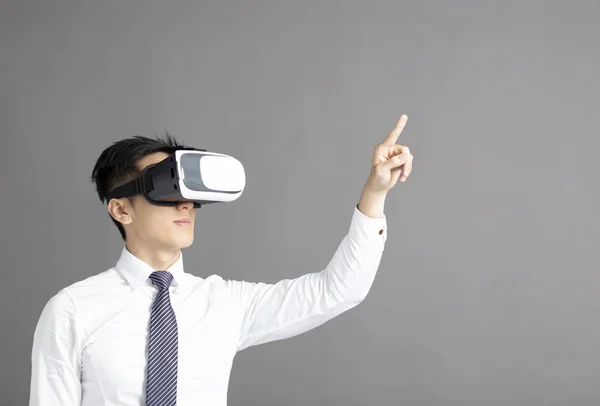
x=131, y=188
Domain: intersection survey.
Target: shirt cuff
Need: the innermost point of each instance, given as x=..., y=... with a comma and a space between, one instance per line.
x=368, y=231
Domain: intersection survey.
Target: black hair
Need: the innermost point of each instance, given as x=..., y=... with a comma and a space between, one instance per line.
x=117, y=164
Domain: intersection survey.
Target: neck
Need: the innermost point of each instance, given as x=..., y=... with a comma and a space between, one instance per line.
x=158, y=259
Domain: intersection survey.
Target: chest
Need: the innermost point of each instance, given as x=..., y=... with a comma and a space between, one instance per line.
x=115, y=358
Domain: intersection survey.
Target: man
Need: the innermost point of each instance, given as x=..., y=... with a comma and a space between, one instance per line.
x=145, y=332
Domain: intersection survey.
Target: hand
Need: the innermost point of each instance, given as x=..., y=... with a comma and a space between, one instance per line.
x=390, y=163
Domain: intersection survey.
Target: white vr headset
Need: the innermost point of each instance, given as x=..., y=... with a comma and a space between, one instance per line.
x=188, y=174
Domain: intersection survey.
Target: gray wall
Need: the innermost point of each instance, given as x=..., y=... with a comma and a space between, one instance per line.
x=487, y=293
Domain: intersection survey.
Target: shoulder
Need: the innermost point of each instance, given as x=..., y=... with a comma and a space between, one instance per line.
x=210, y=283
x=100, y=281
x=60, y=302
x=215, y=284
x=66, y=299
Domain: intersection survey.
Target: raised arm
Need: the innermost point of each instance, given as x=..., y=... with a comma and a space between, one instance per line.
x=293, y=306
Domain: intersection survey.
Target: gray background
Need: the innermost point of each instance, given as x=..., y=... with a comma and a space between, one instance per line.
x=487, y=293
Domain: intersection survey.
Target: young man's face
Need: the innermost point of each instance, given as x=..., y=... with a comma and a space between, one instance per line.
x=157, y=227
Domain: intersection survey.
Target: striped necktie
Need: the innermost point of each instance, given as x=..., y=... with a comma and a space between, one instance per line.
x=161, y=383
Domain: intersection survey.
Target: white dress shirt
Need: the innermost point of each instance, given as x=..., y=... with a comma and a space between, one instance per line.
x=90, y=343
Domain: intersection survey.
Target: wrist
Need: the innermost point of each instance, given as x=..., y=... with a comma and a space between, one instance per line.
x=372, y=203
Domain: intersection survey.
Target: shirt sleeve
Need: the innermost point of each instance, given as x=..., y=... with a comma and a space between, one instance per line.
x=55, y=357
x=293, y=306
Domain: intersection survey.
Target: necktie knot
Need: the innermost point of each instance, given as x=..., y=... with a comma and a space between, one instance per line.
x=161, y=279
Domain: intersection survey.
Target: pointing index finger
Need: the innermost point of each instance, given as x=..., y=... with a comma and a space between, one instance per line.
x=396, y=131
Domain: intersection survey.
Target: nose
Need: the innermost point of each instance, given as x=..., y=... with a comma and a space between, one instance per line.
x=187, y=204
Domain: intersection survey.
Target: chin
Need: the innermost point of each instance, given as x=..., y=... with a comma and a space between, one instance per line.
x=178, y=239
x=187, y=244
x=184, y=242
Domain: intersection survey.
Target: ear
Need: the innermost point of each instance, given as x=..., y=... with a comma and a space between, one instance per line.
x=120, y=210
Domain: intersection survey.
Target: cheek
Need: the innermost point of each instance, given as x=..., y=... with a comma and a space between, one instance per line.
x=156, y=220
x=162, y=219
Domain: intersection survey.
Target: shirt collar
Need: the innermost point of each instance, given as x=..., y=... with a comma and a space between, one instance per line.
x=137, y=272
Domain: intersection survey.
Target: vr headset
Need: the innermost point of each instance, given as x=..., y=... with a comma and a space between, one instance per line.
x=188, y=174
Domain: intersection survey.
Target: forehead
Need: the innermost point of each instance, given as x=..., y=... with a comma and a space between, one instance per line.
x=150, y=159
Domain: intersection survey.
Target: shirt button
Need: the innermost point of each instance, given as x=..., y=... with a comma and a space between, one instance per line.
x=381, y=231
